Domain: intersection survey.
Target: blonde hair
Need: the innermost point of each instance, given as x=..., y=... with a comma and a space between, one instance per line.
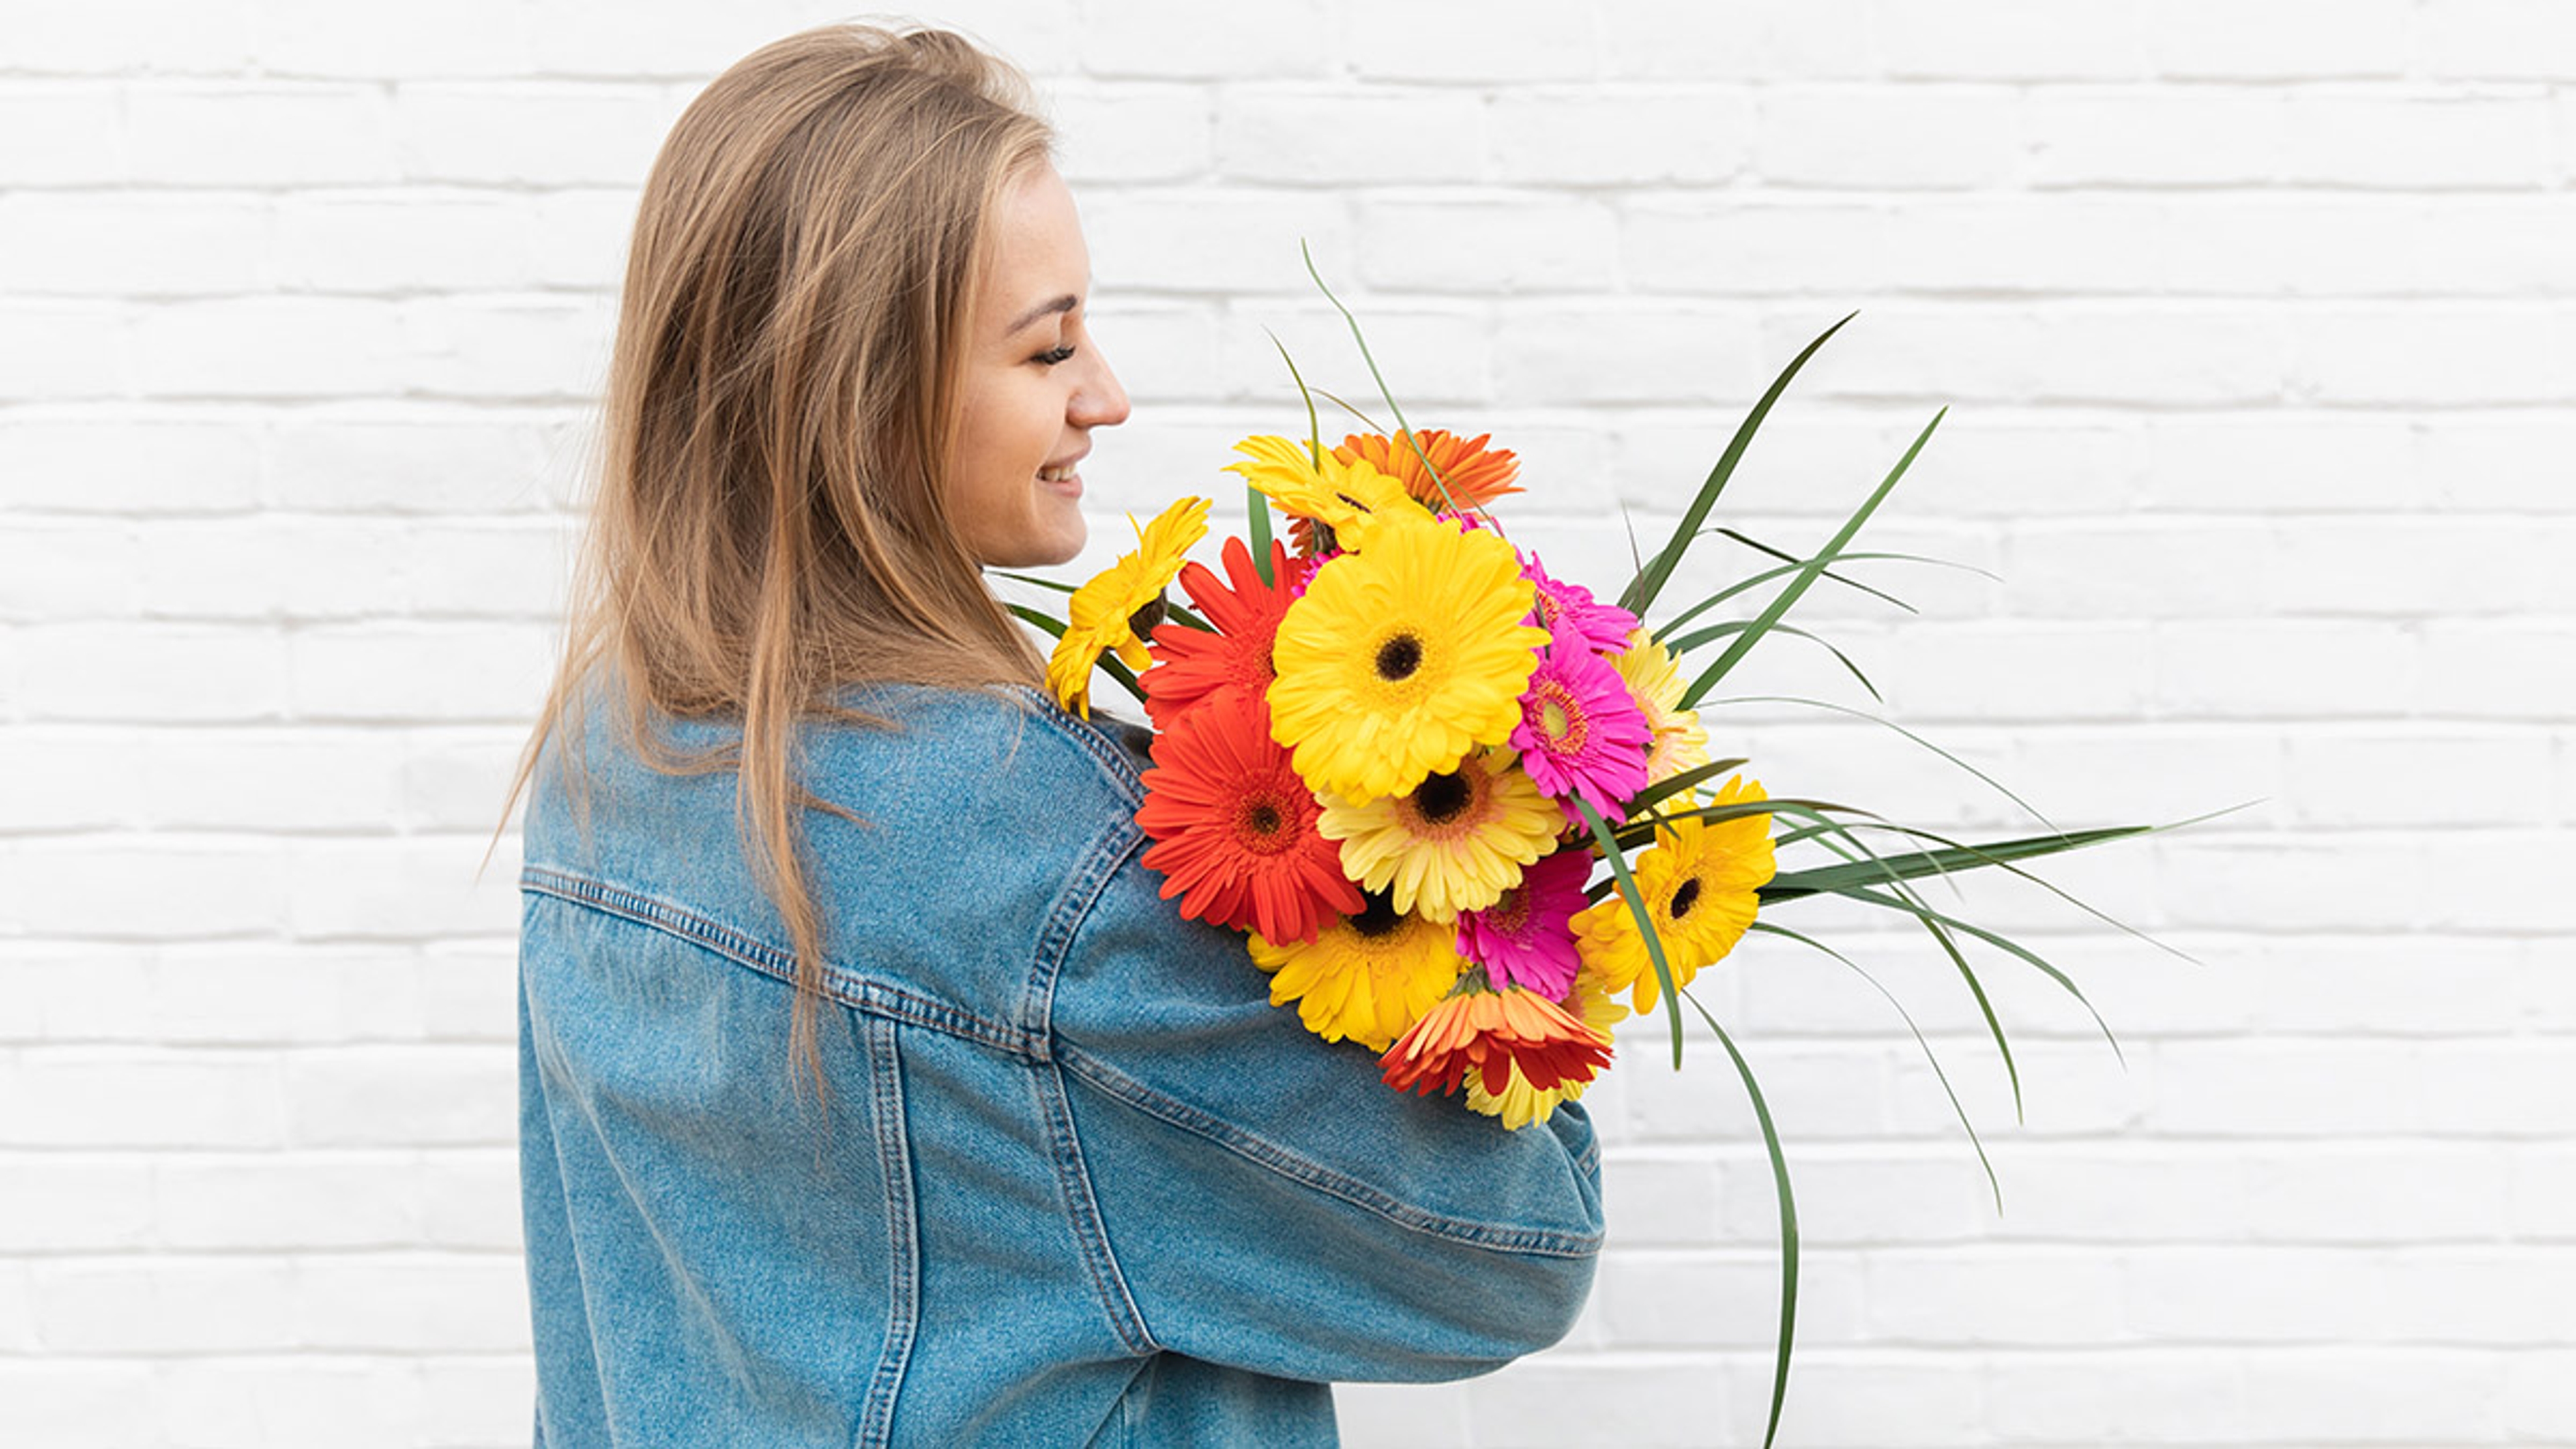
x=770, y=523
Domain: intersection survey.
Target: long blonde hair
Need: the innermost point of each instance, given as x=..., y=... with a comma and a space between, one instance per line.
x=770, y=523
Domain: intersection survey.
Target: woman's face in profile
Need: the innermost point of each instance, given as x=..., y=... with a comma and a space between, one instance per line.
x=1035, y=386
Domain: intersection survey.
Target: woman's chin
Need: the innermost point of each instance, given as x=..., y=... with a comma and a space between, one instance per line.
x=1059, y=547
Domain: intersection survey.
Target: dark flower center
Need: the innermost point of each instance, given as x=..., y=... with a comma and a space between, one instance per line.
x=1262, y=818
x=1439, y=799
x=1378, y=917
x=1685, y=898
x=1142, y=622
x=1398, y=658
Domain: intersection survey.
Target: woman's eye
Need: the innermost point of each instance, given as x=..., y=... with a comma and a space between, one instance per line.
x=1053, y=355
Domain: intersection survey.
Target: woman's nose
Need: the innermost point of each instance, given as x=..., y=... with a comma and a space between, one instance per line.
x=1100, y=402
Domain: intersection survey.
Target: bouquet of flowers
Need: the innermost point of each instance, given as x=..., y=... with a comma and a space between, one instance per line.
x=1462, y=807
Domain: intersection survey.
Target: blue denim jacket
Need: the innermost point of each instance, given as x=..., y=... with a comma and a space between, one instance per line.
x=1075, y=1181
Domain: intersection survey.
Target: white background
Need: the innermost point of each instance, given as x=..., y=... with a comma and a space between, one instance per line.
x=2253, y=324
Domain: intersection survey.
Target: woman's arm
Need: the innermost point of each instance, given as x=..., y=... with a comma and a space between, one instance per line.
x=1269, y=1203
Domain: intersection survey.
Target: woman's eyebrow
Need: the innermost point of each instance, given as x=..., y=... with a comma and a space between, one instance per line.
x=1065, y=303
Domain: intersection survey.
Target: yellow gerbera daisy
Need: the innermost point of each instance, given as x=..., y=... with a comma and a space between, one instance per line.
x=1655, y=682
x=1122, y=603
x=1347, y=495
x=1400, y=659
x=1698, y=881
x=1519, y=1104
x=1455, y=844
x=1366, y=977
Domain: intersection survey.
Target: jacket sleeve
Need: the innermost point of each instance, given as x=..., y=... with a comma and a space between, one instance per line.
x=1269, y=1202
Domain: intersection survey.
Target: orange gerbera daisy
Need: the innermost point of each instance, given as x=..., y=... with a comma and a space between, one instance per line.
x=1234, y=827
x=1191, y=665
x=1492, y=1033
x=1475, y=475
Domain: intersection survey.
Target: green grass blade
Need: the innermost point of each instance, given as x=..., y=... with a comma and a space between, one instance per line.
x=1662, y=790
x=1639, y=832
x=1934, y=922
x=1993, y=1182
x=1405, y=429
x=1256, y=508
x=1904, y=899
x=1314, y=425
x=1337, y=400
x=1640, y=594
x=1107, y=663
x=1788, y=1224
x=2070, y=898
x=2007, y=945
x=1805, y=577
x=1715, y=632
x=1170, y=609
x=1054, y=627
x=1843, y=709
x=1627, y=886
x=1789, y=885
x=1751, y=582
x=1786, y=557
x=1054, y=585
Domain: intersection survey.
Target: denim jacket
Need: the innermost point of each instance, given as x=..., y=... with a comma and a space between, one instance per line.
x=1075, y=1181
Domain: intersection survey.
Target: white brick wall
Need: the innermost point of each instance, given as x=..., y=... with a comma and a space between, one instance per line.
x=2254, y=323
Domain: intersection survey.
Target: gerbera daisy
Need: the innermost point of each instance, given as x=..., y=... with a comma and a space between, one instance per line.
x=1478, y=1029
x=1234, y=828
x=1122, y=603
x=1569, y=612
x=1191, y=665
x=1470, y=476
x=1698, y=882
x=1400, y=659
x=1365, y=977
x=1526, y=938
x=1349, y=498
x=1656, y=685
x=1456, y=843
x=1581, y=736
x=1519, y=1103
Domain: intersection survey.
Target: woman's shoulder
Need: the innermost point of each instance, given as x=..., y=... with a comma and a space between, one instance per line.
x=925, y=754
x=903, y=782
x=949, y=833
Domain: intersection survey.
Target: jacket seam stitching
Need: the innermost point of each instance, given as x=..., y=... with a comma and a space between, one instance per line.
x=1100, y=864
x=1108, y=754
x=1072, y=910
x=850, y=988
x=1301, y=1169
x=903, y=1243
x=1073, y=1175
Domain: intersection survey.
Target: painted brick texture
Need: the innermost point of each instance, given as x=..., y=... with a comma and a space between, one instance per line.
x=2256, y=326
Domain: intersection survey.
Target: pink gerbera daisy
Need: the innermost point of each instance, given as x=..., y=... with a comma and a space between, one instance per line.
x=1527, y=937
x=1581, y=736
x=1569, y=611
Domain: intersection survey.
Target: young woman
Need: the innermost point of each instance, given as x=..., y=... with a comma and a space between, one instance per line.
x=871, y=1092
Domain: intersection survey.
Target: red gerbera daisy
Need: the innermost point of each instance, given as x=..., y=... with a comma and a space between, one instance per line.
x=1191, y=665
x=1234, y=828
x=1490, y=1032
